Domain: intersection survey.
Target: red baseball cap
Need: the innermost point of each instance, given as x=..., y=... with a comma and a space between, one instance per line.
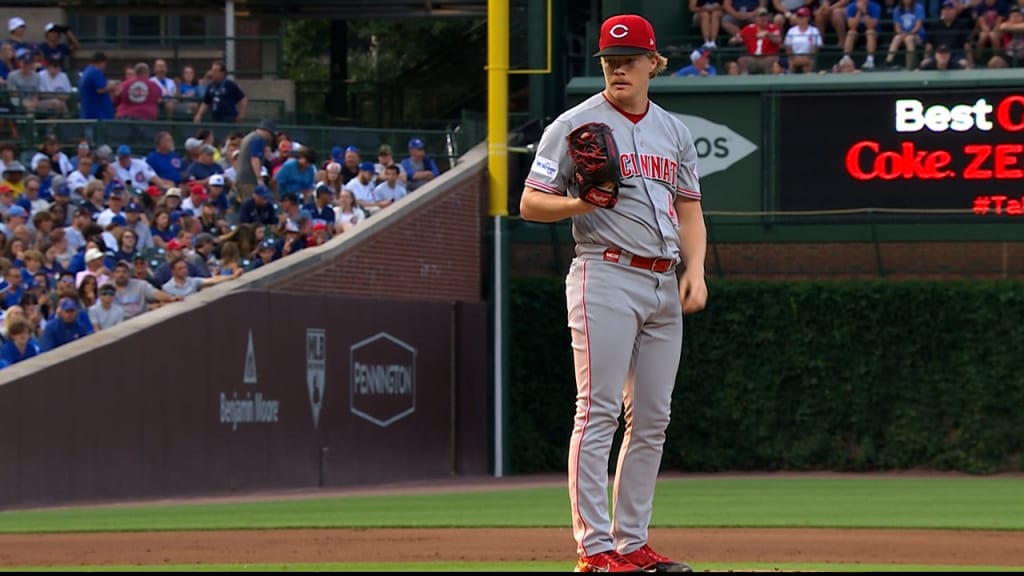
x=626, y=35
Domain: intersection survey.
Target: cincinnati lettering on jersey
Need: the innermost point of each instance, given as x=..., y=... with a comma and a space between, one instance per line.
x=660, y=168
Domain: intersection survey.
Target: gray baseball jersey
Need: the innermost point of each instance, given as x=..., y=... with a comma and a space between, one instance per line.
x=626, y=322
x=658, y=161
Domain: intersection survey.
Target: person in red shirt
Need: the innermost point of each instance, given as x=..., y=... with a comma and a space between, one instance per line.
x=138, y=98
x=763, y=40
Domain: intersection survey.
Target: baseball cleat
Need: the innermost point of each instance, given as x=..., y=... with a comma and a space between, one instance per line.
x=650, y=561
x=610, y=561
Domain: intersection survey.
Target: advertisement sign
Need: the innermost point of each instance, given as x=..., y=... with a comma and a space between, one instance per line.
x=918, y=150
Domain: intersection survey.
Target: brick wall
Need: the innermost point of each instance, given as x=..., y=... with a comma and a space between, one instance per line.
x=432, y=252
x=908, y=260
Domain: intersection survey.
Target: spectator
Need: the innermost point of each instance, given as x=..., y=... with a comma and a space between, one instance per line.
x=15, y=218
x=908, y=25
x=699, y=64
x=78, y=180
x=54, y=49
x=321, y=208
x=202, y=254
x=20, y=344
x=350, y=166
x=387, y=192
x=175, y=250
x=115, y=207
x=139, y=97
x=23, y=84
x=802, y=42
x=989, y=16
x=1013, y=34
x=190, y=92
x=385, y=159
x=216, y=187
x=8, y=62
x=224, y=99
x=55, y=86
x=182, y=284
x=83, y=150
x=93, y=195
x=319, y=236
x=134, y=295
x=74, y=232
x=249, y=165
x=15, y=287
x=30, y=199
x=16, y=28
x=362, y=185
x=106, y=313
x=94, y=266
x=87, y=293
x=8, y=153
x=11, y=315
x=347, y=213
x=230, y=259
x=137, y=222
x=50, y=150
x=167, y=85
x=420, y=167
x=298, y=174
x=863, y=16
x=95, y=90
x=331, y=177
x=266, y=253
x=295, y=234
x=14, y=174
x=164, y=160
x=762, y=39
x=232, y=144
x=127, y=245
x=707, y=15
x=833, y=13
x=942, y=60
x=738, y=14
x=135, y=172
x=954, y=34
x=66, y=327
x=199, y=172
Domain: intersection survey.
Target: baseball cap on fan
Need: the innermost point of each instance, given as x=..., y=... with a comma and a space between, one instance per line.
x=626, y=35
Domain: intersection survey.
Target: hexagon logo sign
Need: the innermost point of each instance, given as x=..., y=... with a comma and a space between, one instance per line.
x=383, y=387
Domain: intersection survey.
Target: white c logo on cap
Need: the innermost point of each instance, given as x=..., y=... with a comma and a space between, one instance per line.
x=619, y=31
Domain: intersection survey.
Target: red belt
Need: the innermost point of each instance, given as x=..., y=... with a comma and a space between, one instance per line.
x=653, y=264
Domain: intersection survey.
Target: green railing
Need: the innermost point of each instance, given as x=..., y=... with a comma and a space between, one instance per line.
x=255, y=56
x=444, y=146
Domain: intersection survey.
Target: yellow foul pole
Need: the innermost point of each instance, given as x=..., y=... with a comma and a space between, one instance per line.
x=497, y=164
x=497, y=104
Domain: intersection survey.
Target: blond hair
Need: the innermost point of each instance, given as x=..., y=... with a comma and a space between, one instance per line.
x=662, y=64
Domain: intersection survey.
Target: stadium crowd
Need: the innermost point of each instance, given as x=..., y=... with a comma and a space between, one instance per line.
x=98, y=236
x=786, y=36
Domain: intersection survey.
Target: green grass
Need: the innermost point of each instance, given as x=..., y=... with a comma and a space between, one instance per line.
x=490, y=567
x=950, y=503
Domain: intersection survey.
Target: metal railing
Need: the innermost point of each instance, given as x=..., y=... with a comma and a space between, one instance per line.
x=183, y=109
x=444, y=146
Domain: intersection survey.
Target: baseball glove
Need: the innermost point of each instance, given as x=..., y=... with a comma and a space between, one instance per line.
x=595, y=160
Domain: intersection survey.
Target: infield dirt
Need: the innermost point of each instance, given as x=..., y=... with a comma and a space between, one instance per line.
x=923, y=547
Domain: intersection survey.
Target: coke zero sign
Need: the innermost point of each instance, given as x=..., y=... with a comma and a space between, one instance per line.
x=919, y=150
